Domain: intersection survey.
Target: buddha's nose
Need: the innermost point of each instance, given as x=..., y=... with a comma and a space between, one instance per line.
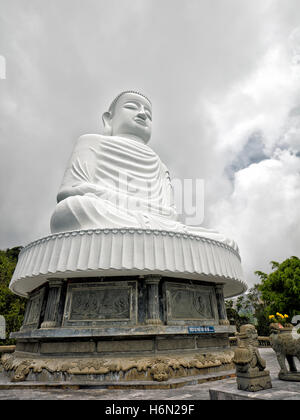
x=142, y=114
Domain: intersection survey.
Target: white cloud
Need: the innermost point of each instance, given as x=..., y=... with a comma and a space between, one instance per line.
x=225, y=90
x=261, y=102
x=260, y=209
x=262, y=213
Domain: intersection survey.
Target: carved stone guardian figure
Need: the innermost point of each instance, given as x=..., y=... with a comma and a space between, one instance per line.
x=250, y=366
x=287, y=348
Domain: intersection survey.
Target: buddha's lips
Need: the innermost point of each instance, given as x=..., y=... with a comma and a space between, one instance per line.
x=140, y=121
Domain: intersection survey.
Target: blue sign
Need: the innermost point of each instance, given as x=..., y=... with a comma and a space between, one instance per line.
x=202, y=329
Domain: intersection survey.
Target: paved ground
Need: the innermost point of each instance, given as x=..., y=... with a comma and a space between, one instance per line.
x=188, y=392
x=196, y=392
x=281, y=390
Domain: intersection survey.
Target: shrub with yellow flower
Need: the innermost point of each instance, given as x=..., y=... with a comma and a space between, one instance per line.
x=279, y=318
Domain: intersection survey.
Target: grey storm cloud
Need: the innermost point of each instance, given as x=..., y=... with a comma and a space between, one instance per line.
x=223, y=79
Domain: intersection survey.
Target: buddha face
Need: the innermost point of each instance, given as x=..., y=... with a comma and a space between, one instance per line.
x=130, y=117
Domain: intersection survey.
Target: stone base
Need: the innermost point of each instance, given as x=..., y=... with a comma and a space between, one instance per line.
x=254, y=381
x=290, y=376
x=21, y=367
x=148, y=352
x=148, y=328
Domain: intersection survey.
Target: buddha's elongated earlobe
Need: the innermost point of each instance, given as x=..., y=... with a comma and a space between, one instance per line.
x=106, y=118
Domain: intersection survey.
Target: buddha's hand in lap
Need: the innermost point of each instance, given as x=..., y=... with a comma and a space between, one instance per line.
x=82, y=189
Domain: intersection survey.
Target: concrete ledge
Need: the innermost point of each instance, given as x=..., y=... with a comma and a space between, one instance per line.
x=125, y=346
x=7, y=349
x=68, y=347
x=280, y=391
x=143, y=330
x=175, y=344
x=212, y=342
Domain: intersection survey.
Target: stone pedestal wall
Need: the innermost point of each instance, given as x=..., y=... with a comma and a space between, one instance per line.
x=151, y=300
x=75, y=327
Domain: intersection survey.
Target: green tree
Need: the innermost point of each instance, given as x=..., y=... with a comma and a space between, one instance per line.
x=12, y=307
x=249, y=309
x=280, y=290
x=258, y=307
x=233, y=314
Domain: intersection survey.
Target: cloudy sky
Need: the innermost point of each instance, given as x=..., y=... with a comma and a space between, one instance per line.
x=223, y=77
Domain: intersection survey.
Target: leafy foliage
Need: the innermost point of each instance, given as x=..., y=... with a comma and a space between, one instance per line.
x=233, y=315
x=249, y=309
x=12, y=307
x=280, y=290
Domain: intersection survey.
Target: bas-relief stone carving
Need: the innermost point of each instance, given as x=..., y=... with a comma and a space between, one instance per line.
x=158, y=369
x=117, y=302
x=250, y=366
x=100, y=304
x=287, y=348
x=33, y=309
x=95, y=303
x=190, y=302
x=53, y=309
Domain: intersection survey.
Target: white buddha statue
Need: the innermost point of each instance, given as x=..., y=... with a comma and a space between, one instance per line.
x=116, y=180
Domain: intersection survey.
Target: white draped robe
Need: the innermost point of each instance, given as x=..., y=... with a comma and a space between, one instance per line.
x=115, y=182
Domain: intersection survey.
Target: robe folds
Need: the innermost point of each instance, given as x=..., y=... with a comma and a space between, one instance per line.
x=115, y=182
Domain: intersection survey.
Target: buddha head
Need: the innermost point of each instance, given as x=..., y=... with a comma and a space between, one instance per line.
x=129, y=115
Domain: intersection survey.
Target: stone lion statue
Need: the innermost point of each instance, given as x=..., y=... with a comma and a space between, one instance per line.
x=251, y=370
x=246, y=355
x=287, y=348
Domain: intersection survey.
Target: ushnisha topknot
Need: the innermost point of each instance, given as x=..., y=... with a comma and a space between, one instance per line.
x=112, y=105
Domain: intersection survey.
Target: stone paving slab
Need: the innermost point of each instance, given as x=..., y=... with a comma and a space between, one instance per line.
x=281, y=390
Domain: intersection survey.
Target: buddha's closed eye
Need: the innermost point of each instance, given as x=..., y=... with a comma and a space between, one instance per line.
x=131, y=105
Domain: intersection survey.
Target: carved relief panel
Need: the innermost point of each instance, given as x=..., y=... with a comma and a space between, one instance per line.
x=190, y=303
x=97, y=303
x=33, y=309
